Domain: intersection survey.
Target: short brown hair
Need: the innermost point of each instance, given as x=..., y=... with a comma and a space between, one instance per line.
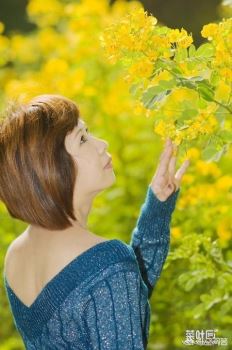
x=37, y=174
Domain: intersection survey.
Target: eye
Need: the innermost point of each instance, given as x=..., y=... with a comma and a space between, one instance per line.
x=83, y=137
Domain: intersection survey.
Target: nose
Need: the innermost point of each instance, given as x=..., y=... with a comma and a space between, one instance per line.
x=102, y=144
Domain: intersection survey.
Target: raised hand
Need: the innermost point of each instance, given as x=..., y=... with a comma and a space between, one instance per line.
x=166, y=181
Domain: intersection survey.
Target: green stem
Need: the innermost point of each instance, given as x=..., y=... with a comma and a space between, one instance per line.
x=222, y=105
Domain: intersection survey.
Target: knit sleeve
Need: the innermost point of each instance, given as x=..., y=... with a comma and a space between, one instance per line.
x=150, y=238
x=116, y=316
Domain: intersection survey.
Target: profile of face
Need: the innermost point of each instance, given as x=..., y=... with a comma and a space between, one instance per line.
x=89, y=153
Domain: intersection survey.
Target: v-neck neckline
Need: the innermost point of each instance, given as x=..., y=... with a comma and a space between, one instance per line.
x=78, y=276
x=58, y=275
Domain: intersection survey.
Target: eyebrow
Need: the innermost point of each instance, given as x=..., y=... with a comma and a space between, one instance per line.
x=79, y=130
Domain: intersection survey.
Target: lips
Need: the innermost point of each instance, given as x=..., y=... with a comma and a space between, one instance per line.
x=109, y=161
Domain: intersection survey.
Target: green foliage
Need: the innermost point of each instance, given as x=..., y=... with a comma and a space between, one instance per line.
x=194, y=291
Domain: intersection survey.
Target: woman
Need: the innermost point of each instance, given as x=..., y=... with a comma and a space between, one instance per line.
x=69, y=288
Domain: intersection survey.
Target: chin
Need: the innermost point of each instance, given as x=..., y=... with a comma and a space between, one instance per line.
x=110, y=179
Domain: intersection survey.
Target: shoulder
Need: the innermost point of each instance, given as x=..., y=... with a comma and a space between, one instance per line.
x=13, y=252
x=114, y=260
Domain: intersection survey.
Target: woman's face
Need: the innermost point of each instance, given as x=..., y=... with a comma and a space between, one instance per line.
x=89, y=152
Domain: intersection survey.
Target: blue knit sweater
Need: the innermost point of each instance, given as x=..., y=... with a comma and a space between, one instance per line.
x=100, y=300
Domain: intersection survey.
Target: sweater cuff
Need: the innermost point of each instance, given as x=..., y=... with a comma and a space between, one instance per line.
x=153, y=205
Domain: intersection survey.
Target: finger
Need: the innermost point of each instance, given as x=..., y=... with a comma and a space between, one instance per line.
x=164, y=161
x=180, y=172
x=172, y=164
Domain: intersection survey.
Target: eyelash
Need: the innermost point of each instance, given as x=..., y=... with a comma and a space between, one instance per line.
x=83, y=136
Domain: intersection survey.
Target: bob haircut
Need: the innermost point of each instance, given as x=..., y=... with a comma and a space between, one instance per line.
x=38, y=175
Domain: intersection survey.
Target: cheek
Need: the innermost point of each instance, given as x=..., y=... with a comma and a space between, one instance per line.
x=89, y=167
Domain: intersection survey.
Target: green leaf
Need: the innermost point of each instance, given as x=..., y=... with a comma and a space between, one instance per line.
x=187, y=83
x=159, y=97
x=134, y=88
x=205, y=91
x=181, y=54
x=211, y=153
x=190, y=83
x=205, y=50
x=221, y=114
x=226, y=135
x=176, y=70
x=201, y=103
x=167, y=84
x=192, y=50
x=214, y=78
x=226, y=307
x=183, y=127
x=162, y=30
x=157, y=93
x=191, y=113
x=214, y=297
x=198, y=311
x=197, y=78
x=149, y=94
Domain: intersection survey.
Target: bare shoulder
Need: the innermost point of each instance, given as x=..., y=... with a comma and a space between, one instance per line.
x=18, y=252
x=12, y=253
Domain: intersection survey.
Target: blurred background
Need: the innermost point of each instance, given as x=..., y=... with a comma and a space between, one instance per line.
x=191, y=14
x=53, y=47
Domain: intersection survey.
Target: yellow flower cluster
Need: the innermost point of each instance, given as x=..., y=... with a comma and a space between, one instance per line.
x=45, y=13
x=223, y=91
x=210, y=31
x=180, y=37
x=201, y=125
x=132, y=33
x=205, y=169
x=221, y=37
x=137, y=33
x=141, y=45
x=187, y=70
x=224, y=183
x=140, y=69
x=176, y=232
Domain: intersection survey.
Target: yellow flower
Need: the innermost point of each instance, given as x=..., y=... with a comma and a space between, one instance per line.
x=47, y=40
x=89, y=91
x=206, y=169
x=224, y=229
x=55, y=66
x=23, y=49
x=223, y=91
x=121, y=7
x=176, y=232
x=226, y=73
x=188, y=178
x=174, y=35
x=142, y=68
x=185, y=42
x=165, y=129
x=187, y=71
x=224, y=183
x=209, y=31
x=193, y=153
x=163, y=75
x=181, y=37
x=222, y=209
x=45, y=13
